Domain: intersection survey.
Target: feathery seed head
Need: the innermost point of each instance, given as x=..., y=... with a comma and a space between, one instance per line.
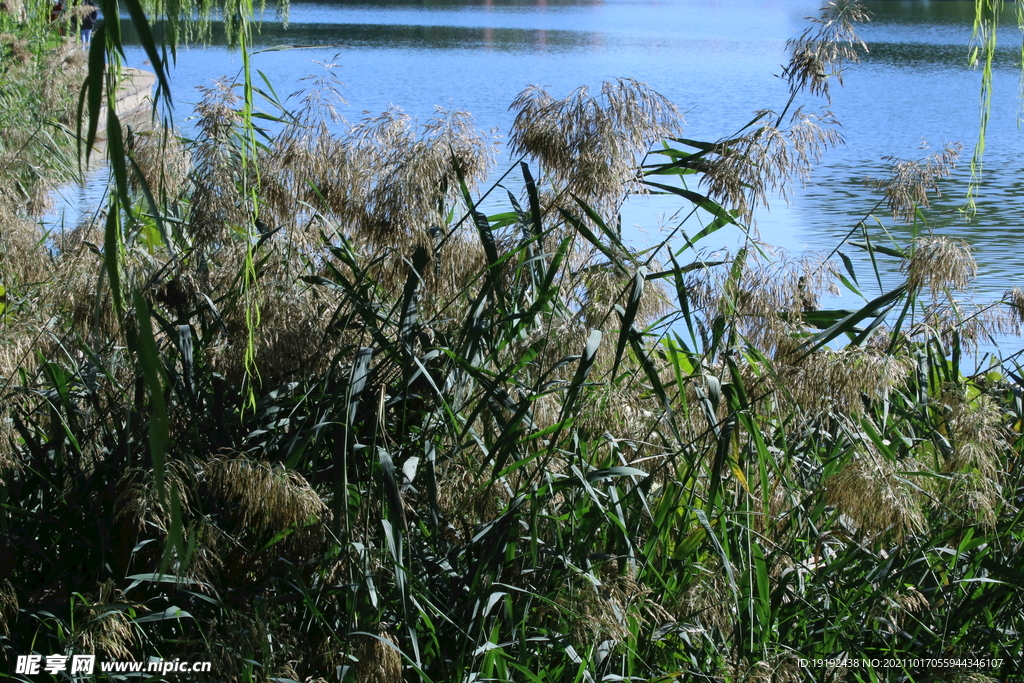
x=216, y=203
x=702, y=602
x=418, y=176
x=897, y=605
x=974, y=678
x=163, y=161
x=824, y=49
x=106, y=631
x=15, y=8
x=591, y=145
x=938, y=263
x=974, y=429
x=781, y=669
x=909, y=182
x=744, y=171
x=15, y=48
x=769, y=295
x=8, y=606
x=138, y=502
x=871, y=492
x=963, y=324
x=378, y=661
x=973, y=498
x=602, y=609
x=264, y=498
x=1014, y=299
x=837, y=382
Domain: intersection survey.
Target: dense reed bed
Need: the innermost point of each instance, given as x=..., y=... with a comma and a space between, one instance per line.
x=298, y=408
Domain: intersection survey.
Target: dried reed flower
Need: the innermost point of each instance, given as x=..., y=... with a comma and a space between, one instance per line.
x=108, y=632
x=307, y=163
x=974, y=429
x=458, y=262
x=974, y=678
x=417, y=175
x=216, y=203
x=742, y=172
x=784, y=668
x=1014, y=299
x=769, y=296
x=591, y=145
x=15, y=8
x=708, y=601
x=824, y=49
x=8, y=606
x=909, y=182
x=973, y=497
x=461, y=495
x=837, y=382
x=594, y=617
x=378, y=661
x=382, y=182
x=871, y=492
x=291, y=338
x=262, y=498
x=75, y=12
x=139, y=503
x=15, y=48
x=601, y=610
x=595, y=287
x=163, y=162
x=939, y=263
x=897, y=605
x=963, y=324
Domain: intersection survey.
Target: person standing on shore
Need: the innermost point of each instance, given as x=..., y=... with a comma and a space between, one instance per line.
x=87, y=21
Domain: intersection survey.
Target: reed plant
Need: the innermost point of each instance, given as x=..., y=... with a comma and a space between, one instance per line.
x=302, y=410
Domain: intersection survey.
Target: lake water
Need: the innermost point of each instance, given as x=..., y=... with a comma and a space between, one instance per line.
x=716, y=59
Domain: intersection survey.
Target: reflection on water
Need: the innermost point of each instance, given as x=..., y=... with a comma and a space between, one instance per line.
x=422, y=37
x=913, y=93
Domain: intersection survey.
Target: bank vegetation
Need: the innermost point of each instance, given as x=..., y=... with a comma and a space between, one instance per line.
x=294, y=405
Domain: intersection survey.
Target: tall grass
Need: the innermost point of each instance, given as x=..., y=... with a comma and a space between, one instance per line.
x=343, y=425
